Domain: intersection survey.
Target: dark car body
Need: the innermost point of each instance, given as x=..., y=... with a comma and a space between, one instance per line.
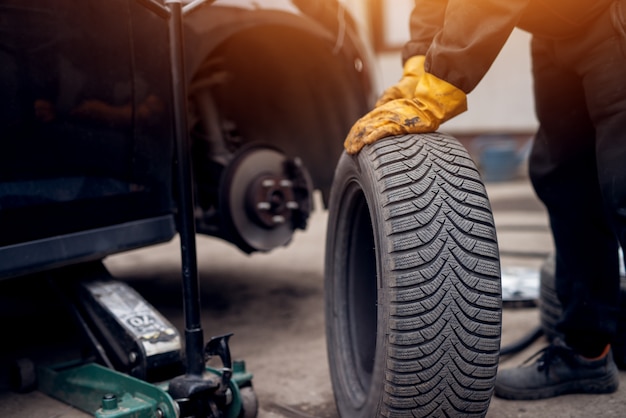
x=87, y=153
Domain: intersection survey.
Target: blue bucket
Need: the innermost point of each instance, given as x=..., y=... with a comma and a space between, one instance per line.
x=499, y=162
x=498, y=157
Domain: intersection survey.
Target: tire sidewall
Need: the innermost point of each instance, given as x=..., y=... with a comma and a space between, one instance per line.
x=354, y=174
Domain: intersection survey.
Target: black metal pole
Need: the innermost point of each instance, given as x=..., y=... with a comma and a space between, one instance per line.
x=194, y=340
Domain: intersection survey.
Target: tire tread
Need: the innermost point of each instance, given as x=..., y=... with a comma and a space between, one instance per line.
x=445, y=284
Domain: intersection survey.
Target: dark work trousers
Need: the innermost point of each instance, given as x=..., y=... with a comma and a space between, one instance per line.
x=578, y=169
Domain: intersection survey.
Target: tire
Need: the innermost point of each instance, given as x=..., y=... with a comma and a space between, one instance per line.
x=249, y=402
x=23, y=375
x=549, y=306
x=550, y=310
x=412, y=282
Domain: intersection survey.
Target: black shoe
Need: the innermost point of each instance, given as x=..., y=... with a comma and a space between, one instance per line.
x=559, y=370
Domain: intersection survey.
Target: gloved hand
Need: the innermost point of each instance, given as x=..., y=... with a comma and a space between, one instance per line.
x=433, y=102
x=404, y=89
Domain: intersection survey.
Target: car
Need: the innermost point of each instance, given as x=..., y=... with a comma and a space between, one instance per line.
x=87, y=155
x=126, y=122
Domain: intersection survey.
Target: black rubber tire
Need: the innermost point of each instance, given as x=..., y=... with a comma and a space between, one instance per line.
x=549, y=306
x=250, y=403
x=23, y=375
x=412, y=282
x=550, y=310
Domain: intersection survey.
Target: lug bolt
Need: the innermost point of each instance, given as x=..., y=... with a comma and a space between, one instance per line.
x=278, y=219
x=109, y=402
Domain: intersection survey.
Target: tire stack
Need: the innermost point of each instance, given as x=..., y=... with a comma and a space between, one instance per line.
x=550, y=308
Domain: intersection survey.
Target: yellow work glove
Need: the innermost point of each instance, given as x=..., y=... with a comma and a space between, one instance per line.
x=434, y=102
x=404, y=89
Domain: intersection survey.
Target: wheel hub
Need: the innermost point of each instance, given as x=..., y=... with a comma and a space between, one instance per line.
x=265, y=197
x=271, y=200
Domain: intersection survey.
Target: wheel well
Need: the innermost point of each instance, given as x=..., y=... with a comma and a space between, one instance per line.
x=283, y=86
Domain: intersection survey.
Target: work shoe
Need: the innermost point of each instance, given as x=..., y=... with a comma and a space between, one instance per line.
x=557, y=371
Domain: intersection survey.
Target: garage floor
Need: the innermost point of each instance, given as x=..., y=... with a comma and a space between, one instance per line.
x=274, y=305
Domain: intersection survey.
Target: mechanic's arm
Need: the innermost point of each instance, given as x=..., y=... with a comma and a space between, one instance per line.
x=425, y=22
x=471, y=39
x=457, y=58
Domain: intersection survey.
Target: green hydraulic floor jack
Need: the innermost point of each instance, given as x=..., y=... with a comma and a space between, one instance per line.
x=139, y=366
x=136, y=359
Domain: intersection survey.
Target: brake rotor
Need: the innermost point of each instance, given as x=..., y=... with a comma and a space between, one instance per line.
x=264, y=197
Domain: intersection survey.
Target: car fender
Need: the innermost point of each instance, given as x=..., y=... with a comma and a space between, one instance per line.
x=295, y=79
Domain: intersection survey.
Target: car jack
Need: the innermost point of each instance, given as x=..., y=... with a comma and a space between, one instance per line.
x=136, y=365
x=106, y=393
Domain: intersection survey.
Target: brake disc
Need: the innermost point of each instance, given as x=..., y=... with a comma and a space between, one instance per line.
x=264, y=197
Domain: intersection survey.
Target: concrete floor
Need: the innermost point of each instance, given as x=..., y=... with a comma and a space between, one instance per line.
x=274, y=305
